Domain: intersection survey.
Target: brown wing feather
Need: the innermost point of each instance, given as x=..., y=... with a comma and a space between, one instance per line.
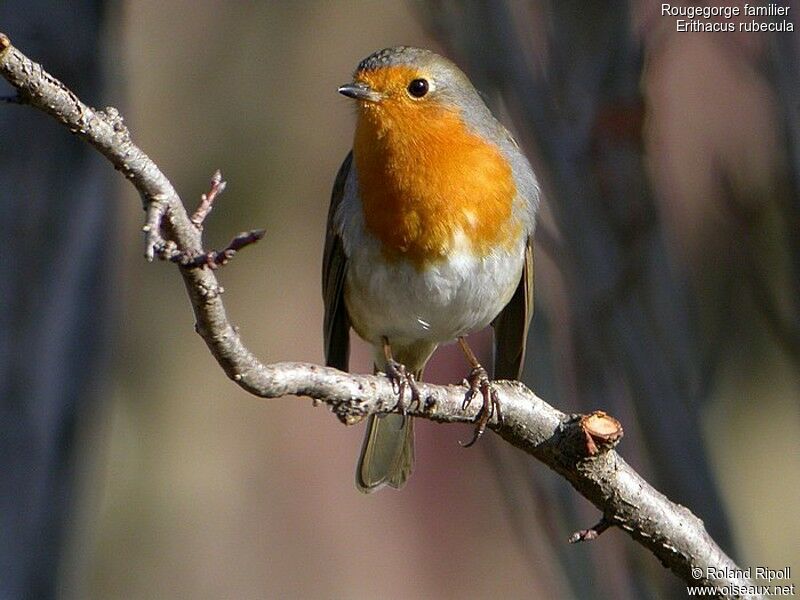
x=511, y=325
x=334, y=267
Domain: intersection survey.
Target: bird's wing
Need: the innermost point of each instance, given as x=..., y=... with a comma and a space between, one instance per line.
x=334, y=268
x=511, y=325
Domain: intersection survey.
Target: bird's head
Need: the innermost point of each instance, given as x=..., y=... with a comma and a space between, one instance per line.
x=405, y=83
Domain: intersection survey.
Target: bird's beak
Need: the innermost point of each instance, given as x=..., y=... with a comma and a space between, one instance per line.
x=360, y=91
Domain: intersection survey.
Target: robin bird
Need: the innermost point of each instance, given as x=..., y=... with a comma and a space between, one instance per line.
x=429, y=238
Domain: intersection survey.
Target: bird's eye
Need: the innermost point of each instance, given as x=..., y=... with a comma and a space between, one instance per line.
x=418, y=88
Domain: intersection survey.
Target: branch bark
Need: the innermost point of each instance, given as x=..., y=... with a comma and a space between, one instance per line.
x=568, y=444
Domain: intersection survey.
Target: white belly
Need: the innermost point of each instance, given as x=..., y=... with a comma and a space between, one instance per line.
x=460, y=294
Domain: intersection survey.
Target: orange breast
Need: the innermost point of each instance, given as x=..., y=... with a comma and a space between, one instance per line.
x=429, y=186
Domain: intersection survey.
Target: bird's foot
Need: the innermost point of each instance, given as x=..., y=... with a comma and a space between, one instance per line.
x=478, y=383
x=401, y=380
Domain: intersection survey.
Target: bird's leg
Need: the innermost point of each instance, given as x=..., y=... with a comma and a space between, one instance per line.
x=478, y=381
x=401, y=378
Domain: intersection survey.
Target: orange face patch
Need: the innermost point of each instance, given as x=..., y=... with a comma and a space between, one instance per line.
x=428, y=185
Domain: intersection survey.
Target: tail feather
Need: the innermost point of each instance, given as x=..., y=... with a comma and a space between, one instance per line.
x=387, y=456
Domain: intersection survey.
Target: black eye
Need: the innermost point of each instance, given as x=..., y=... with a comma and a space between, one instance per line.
x=418, y=88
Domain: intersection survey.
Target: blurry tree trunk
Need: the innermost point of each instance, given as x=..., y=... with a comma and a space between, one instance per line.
x=574, y=95
x=783, y=70
x=55, y=216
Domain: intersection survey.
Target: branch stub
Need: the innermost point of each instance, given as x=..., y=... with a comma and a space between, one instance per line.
x=602, y=431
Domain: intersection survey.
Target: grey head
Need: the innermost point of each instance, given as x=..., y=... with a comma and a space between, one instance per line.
x=427, y=76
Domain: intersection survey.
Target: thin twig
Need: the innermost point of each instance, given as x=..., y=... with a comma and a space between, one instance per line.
x=207, y=199
x=587, y=535
x=215, y=259
x=676, y=536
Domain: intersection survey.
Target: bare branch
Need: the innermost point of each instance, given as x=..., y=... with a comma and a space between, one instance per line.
x=562, y=442
x=154, y=242
x=207, y=200
x=587, y=535
x=216, y=258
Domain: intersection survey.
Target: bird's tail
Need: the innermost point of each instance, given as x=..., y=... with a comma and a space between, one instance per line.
x=387, y=456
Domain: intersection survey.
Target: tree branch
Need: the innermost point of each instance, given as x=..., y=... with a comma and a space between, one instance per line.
x=207, y=200
x=578, y=447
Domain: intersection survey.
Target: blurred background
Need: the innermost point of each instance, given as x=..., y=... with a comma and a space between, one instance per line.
x=667, y=291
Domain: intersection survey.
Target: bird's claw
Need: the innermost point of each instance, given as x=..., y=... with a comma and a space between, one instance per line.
x=401, y=379
x=478, y=382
